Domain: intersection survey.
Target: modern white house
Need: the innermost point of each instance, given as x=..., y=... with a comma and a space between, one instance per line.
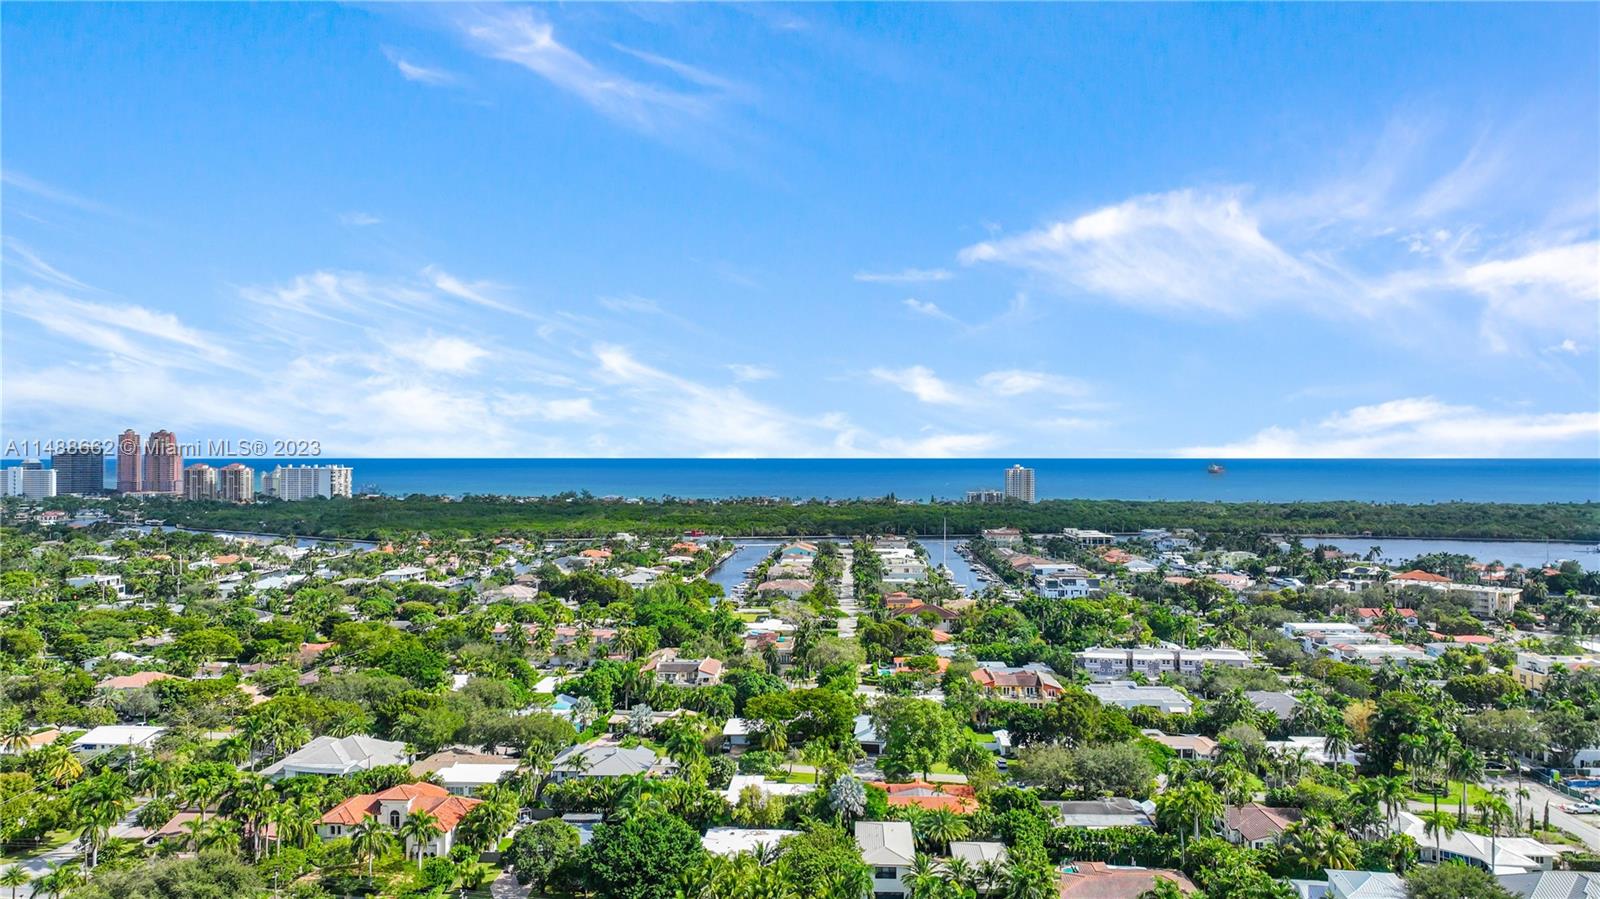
x=117, y=736
x=329, y=756
x=890, y=850
x=464, y=779
x=734, y=840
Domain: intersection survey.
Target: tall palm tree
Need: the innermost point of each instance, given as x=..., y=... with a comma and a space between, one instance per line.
x=1392, y=792
x=419, y=828
x=369, y=840
x=96, y=806
x=15, y=877
x=1337, y=743
x=1494, y=812
x=1466, y=765
x=1194, y=802
x=250, y=799
x=1437, y=825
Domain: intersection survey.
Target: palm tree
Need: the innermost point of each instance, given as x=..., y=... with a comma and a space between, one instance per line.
x=924, y=876
x=1435, y=824
x=250, y=799
x=1337, y=744
x=60, y=879
x=1030, y=882
x=96, y=805
x=201, y=792
x=941, y=826
x=1195, y=802
x=1392, y=792
x=962, y=873
x=1466, y=765
x=1495, y=812
x=60, y=765
x=369, y=840
x=15, y=740
x=15, y=877
x=420, y=827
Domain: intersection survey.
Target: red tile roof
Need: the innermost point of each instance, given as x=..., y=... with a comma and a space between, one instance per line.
x=1417, y=574
x=425, y=796
x=922, y=794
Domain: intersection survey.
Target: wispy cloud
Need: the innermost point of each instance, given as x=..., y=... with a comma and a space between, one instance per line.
x=21, y=256
x=1020, y=382
x=60, y=196
x=1388, y=242
x=1181, y=250
x=922, y=383
x=746, y=372
x=1419, y=427
x=929, y=309
x=522, y=37
x=422, y=74
x=905, y=276
x=359, y=219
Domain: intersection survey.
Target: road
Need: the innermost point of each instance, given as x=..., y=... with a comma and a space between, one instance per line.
x=1586, y=827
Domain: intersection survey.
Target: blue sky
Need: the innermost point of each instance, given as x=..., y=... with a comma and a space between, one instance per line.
x=898, y=230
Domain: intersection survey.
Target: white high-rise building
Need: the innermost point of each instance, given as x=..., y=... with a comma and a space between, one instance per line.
x=296, y=482
x=1019, y=483
x=30, y=479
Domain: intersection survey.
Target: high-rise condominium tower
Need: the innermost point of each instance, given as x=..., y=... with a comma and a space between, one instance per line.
x=199, y=482
x=81, y=471
x=130, y=463
x=163, y=464
x=1019, y=483
x=236, y=483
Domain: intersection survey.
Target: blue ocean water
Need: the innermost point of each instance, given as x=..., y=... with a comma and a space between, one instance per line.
x=1268, y=480
x=1279, y=480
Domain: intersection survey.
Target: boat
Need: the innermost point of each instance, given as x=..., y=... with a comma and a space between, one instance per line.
x=1214, y=468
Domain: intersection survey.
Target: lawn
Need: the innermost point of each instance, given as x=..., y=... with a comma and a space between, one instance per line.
x=799, y=777
x=47, y=842
x=1452, y=797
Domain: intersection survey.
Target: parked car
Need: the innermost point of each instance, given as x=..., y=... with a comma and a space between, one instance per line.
x=1579, y=808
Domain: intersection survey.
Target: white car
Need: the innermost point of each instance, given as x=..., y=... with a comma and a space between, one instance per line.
x=1579, y=808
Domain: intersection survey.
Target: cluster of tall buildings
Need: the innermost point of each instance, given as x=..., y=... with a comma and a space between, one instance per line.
x=155, y=465
x=156, y=468
x=1018, y=488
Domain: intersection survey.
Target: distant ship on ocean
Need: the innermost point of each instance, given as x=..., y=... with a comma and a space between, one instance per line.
x=1214, y=468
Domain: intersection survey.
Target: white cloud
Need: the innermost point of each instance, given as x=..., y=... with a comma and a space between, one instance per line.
x=1017, y=382
x=421, y=74
x=358, y=219
x=115, y=328
x=920, y=382
x=1491, y=238
x=1569, y=346
x=1183, y=250
x=22, y=256
x=929, y=309
x=455, y=355
x=905, y=276
x=1420, y=427
x=519, y=36
x=746, y=372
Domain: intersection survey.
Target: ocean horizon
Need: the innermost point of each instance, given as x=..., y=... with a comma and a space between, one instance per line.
x=1243, y=480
